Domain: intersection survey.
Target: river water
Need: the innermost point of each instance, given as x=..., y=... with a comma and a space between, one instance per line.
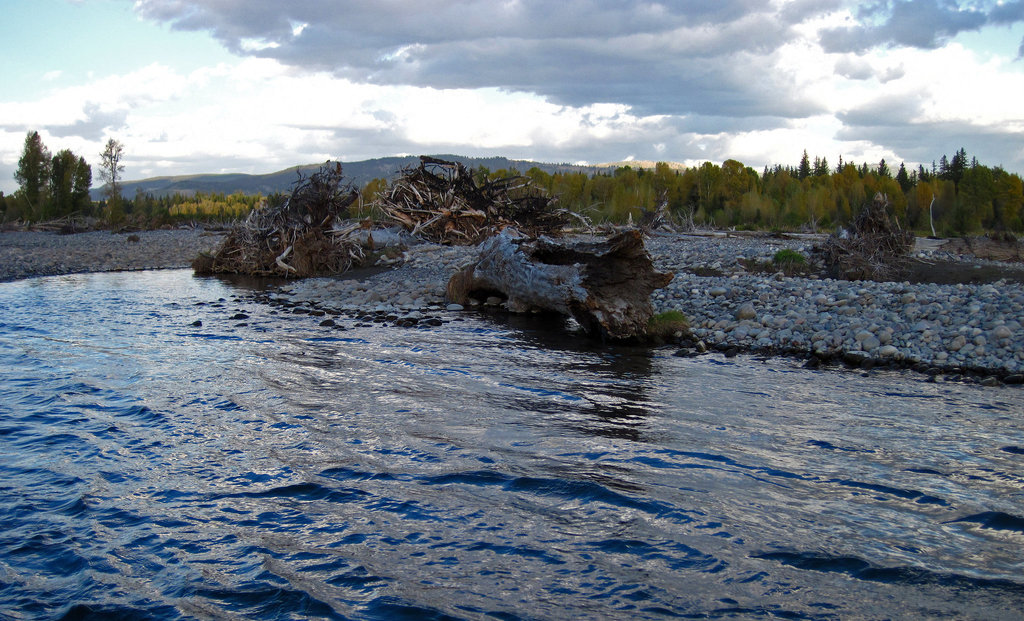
x=268, y=467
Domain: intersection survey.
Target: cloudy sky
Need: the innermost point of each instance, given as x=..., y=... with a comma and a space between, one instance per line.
x=193, y=86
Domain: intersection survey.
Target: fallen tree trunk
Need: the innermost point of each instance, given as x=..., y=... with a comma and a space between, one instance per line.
x=605, y=285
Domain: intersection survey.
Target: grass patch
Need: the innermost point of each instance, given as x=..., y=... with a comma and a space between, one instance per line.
x=788, y=257
x=668, y=326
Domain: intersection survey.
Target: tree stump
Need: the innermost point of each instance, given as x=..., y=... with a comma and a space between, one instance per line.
x=604, y=285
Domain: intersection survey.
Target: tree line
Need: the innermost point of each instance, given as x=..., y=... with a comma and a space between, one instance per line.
x=956, y=195
x=51, y=186
x=56, y=186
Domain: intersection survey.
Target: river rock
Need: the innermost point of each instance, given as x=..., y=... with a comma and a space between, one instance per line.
x=887, y=351
x=746, y=311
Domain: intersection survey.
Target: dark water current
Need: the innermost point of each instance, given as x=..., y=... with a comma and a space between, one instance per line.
x=267, y=467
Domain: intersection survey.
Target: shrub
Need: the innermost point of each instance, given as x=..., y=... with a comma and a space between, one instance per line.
x=788, y=258
x=665, y=326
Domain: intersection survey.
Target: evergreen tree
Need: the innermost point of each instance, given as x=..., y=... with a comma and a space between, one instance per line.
x=903, y=178
x=63, y=169
x=33, y=174
x=958, y=166
x=823, y=172
x=80, y=199
x=883, y=169
x=805, y=167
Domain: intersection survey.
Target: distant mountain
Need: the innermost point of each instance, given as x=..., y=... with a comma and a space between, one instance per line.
x=357, y=173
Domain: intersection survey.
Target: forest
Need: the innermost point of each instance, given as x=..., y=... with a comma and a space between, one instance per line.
x=955, y=196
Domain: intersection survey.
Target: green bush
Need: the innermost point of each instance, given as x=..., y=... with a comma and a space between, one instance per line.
x=788, y=258
x=665, y=326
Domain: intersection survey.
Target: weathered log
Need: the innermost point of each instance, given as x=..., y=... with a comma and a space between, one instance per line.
x=605, y=285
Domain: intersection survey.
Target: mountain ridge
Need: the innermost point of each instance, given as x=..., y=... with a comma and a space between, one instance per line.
x=358, y=173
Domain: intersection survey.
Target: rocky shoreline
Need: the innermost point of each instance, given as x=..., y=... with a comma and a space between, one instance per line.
x=27, y=254
x=961, y=330
x=950, y=329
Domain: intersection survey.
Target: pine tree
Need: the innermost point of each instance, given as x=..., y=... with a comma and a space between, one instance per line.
x=805, y=167
x=33, y=174
x=883, y=169
x=80, y=191
x=903, y=178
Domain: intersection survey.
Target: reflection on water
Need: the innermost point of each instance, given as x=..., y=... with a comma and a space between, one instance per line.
x=269, y=467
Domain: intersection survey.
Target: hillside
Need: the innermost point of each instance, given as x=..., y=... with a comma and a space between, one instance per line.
x=358, y=173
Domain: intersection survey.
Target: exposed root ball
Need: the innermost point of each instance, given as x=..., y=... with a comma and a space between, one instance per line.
x=441, y=202
x=877, y=249
x=293, y=239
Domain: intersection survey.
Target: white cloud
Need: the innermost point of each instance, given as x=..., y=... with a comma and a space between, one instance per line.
x=582, y=80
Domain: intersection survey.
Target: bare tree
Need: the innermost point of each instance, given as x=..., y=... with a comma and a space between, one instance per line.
x=111, y=167
x=110, y=171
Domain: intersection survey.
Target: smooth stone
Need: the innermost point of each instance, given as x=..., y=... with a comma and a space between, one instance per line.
x=746, y=311
x=870, y=343
x=455, y=307
x=1002, y=332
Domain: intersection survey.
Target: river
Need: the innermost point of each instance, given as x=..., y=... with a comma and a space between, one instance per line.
x=258, y=465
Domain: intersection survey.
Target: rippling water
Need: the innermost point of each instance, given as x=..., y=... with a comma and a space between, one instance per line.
x=267, y=467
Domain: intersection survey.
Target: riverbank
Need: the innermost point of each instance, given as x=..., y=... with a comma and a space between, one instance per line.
x=935, y=327
x=972, y=326
x=26, y=254
x=967, y=328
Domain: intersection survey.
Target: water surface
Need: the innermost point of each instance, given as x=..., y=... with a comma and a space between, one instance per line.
x=267, y=467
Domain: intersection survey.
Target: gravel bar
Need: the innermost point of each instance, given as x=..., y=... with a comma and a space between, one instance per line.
x=937, y=328
x=973, y=328
x=28, y=254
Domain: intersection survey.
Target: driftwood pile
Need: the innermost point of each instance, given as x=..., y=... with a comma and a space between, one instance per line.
x=876, y=249
x=295, y=238
x=605, y=285
x=440, y=201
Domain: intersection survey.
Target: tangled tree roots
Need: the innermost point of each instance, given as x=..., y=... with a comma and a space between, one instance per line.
x=439, y=201
x=877, y=249
x=294, y=239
